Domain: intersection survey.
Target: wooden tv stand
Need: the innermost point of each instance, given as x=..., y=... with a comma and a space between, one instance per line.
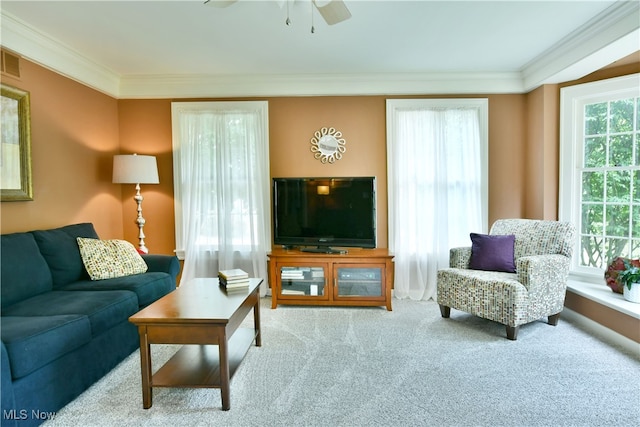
x=360, y=277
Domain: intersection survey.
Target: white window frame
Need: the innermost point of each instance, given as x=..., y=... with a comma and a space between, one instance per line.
x=572, y=102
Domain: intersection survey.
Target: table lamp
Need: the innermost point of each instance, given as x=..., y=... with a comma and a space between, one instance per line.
x=135, y=169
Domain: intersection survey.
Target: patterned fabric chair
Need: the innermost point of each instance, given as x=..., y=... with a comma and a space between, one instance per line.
x=542, y=254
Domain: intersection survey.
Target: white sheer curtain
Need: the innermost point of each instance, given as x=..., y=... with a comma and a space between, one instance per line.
x=437, y=186
x=221, y=185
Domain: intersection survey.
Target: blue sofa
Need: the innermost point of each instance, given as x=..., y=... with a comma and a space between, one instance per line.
x=61, y=331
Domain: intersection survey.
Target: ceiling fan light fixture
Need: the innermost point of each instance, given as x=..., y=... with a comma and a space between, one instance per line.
x=288, y=21
x=333, y=11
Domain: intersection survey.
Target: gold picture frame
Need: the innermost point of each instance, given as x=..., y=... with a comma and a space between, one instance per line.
x=15, y=153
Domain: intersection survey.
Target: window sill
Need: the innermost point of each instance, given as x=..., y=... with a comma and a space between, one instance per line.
x=606, y=314
x=602, y=294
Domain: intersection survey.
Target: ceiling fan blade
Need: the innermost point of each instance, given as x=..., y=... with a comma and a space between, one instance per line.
x=333, y=11
x=219, y=3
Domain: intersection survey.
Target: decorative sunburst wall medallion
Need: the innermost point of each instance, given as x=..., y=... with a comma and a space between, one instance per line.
x=328, y=145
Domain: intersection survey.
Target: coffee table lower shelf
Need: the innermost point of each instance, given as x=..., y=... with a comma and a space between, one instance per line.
x=198, y=366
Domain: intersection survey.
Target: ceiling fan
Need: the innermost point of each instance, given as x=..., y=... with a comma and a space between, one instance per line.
x=332, y=11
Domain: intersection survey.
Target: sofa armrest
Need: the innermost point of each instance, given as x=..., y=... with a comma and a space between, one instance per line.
x=163, y=263
x=544, y=276
x=459, y=257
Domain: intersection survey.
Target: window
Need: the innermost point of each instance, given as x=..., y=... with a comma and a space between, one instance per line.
x=600, y=171
x=221, y=186
x=437, y=174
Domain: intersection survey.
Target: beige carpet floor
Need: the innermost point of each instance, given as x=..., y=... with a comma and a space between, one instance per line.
x=328, y=366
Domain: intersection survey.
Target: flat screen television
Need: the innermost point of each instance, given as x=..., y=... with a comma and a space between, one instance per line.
x=317, y=214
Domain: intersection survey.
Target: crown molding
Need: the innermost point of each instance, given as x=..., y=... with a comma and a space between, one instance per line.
x=204, y=86
x=609, y=36
x=38, y=47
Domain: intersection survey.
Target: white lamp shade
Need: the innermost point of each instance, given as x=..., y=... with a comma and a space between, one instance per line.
x=135, y=169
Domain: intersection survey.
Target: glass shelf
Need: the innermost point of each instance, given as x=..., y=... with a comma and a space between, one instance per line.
x=359, y=282
x=307, y=281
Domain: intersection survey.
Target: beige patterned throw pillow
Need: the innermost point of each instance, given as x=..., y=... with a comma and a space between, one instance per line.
x=106, y=259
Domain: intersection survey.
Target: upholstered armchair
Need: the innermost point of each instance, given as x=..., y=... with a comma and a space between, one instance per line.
x=533, y=286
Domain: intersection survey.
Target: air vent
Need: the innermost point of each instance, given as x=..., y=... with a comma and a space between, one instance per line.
x=10, y=64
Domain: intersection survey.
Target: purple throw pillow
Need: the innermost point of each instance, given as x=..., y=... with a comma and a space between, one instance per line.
x=492, y=252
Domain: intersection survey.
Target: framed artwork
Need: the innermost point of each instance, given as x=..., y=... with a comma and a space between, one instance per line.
x=15, y=155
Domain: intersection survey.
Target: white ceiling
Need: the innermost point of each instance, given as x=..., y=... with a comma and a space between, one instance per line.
x=150, y=49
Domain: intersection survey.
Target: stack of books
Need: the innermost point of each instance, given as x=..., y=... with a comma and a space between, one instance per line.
x=233, y=279
x=292, y=273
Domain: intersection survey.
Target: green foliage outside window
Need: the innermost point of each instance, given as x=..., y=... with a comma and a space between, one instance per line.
x=610, y=182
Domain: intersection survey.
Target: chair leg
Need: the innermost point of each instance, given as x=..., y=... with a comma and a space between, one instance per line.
x=553, y=320
x=512, y=332
x=445, y=311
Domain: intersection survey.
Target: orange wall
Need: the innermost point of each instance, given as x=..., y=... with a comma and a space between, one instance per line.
x=77, y=130
x=507, y=194
x=146, y=129
x=542, y=153
x=293, y=122
x=72, y=154
x=74, y=135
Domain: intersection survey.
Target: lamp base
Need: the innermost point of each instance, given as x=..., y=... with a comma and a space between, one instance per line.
x=142, y=248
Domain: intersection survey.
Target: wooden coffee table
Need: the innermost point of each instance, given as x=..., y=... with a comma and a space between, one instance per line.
x=198, y=312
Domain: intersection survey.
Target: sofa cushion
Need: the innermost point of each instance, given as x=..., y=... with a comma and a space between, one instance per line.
x=60, y=248
x=148, y=286
x=104, y=309
x=492, y=253
x=23, y=271
x=108, y=259
x=33, y=342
